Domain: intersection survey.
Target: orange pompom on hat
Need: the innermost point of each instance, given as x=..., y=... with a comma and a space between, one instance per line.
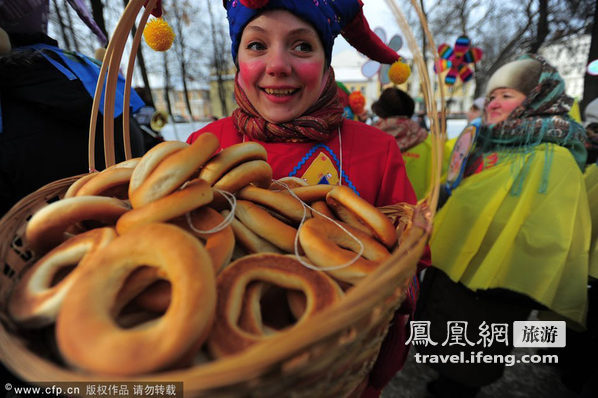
x=357, y=102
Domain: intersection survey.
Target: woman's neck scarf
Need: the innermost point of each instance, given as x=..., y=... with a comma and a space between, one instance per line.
x=407, y=133
x=541, y=117
x=318, y=123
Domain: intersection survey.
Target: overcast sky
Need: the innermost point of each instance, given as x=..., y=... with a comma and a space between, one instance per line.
x=378, y=15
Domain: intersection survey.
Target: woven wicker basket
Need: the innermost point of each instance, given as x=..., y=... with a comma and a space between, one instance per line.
x=327, y=356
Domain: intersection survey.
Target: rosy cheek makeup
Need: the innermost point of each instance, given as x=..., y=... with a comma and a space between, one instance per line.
x=310, y=73
x=248, y=73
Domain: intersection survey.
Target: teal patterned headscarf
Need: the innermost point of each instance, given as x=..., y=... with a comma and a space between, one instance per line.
x=542, y=117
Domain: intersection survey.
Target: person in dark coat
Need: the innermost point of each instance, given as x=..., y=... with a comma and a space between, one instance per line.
x=46, y=96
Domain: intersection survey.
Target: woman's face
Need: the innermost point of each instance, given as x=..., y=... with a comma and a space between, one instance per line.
x=501, y=103
x=281, y=65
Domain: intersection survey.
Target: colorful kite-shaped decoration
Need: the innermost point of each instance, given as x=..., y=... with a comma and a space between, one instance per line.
x=456, y=60
x=371, y=67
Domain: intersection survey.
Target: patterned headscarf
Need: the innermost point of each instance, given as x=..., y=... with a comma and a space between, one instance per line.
x=318, y=123
x=541, y=117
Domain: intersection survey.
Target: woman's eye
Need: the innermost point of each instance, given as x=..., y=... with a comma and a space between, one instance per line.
x=303, y=47
x=256, y=46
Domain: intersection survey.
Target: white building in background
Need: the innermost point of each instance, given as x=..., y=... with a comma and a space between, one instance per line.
x=199, y=93
x=570, y=59
x=347, y=69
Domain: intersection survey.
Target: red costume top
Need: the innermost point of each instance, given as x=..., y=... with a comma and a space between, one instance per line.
x=372, y=166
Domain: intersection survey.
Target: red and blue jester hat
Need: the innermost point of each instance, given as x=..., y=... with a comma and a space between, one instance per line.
x=328, y=17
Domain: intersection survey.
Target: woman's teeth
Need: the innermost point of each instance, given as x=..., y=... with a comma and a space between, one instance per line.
x=285, y=91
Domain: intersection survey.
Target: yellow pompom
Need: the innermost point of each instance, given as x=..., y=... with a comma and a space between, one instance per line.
x=399, y=72
x=158, y=34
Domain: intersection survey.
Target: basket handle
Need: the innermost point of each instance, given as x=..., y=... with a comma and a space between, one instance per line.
x=437, y=125
x=111, y=66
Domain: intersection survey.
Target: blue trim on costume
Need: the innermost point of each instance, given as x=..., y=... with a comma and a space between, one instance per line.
x=65, y=71
x=310, y=153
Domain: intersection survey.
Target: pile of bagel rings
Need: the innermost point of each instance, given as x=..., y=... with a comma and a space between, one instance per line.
x=189, y=254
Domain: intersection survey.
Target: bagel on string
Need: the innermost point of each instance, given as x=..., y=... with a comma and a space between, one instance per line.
x=311, y=193
x=265, y=225
x=230, y=157
x=326, y=244
x=249, y=240
x=291, y=182
x=129, y=163
x=365, y=214
x=219, y=244
x=114, y=181
x=35, y=299
x=151, y=159
x=87, y=335
x=145, y=296
x=256, y=172
x=46, y=229
x=221, y=200
x=174, y=170
x=342, y=213
x=227, y=337
x=321, y=208
x=74, y=187
x=291, y=208
x=193, y=195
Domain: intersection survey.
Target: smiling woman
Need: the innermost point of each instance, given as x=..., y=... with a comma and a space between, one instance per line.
x=288, y=102
x=508, y=87
x=281, y=65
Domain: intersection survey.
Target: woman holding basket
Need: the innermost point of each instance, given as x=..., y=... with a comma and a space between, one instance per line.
x=287, y=97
